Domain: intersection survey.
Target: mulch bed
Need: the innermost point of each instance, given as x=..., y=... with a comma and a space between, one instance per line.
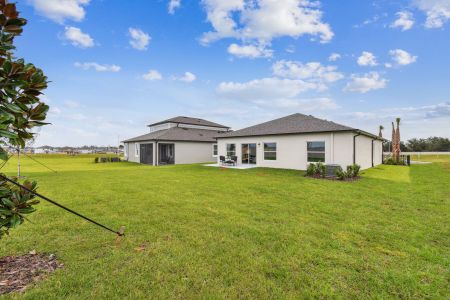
x=334, y=178
x=18, y=272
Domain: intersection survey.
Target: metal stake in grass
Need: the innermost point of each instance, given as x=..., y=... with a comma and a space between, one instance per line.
x=120, y=232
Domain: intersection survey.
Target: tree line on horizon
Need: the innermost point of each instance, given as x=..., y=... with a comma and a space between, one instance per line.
x=430, y=144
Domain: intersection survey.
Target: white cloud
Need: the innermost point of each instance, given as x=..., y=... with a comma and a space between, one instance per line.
x=250, y=51
x=313, y=104
x=437, y=11
x=367, y=59
x=97, y=67
x=265, y=88
x=334, y=57
x=187, y=77
x=139, y=39
x=418, y=121
x=78, y=38
x=54, y=110
x=276, y=94
x=401, y=57
x=264, y=20
x=404, y=21
x=152, y=75
x=365, y=83
x=313, y=71
x=173, y=5
x=290, y=49
x=60, y=10
x=76, y=117
x=71, y=104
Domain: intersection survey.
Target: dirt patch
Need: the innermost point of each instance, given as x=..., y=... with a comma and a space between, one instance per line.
x=17, y=272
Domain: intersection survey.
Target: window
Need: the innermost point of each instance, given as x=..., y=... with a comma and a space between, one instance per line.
x=316, y=151
x=231, y=150
x=270, y=151
x=136, y=149
x=214, y=150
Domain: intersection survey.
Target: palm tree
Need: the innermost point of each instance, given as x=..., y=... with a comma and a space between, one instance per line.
x=397, y=140
x=393, y=140
x=380, y=133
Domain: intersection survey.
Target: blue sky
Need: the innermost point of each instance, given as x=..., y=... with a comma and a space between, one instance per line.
x=116, y=66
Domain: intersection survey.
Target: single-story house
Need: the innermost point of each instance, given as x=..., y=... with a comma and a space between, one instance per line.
x=294, y=141
x=179, y=140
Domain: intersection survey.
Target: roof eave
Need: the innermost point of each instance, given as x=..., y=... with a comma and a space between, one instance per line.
x=288, y=133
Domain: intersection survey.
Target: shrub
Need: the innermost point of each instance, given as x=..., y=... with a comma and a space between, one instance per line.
x=340, y=173
x=311, y=170
x=391, y=161
x=350, y=171
x=96, y=160
x=321, y=169
x=356, y=169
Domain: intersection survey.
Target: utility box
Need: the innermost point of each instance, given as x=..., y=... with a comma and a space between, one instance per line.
x=331, y=170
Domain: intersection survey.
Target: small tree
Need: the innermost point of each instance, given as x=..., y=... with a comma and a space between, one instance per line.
x=21, y=110
x=397, y=149
x=380, y=131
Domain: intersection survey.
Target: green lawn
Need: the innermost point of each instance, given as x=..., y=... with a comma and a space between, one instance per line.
x=259, y=233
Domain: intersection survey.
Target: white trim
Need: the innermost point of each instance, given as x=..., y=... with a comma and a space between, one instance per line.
x=217, y=150
x=264, y=151
x=226, y=149
x=324, y=152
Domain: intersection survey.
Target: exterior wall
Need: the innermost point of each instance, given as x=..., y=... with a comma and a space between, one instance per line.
x=131, y=151
x=202, y=127
x=377, y=153
x=185, y=152
x=192, y=152
x=292, y=149
x=162, y=126
x=364, y=151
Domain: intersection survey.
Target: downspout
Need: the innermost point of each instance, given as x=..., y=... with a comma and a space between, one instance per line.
x=156, y=153
x=354, y=147
x=372, y=152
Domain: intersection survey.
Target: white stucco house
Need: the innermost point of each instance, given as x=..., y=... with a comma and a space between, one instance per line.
x=179, y=140
x=294, y=141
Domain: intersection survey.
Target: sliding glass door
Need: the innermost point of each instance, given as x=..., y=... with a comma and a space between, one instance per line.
x=249, y=153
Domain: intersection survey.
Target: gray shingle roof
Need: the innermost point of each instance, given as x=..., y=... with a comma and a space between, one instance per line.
x=190, y=121
x=296, y=123
x=178, y=134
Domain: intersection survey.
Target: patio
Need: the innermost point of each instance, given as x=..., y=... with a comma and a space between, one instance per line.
x=241, y=166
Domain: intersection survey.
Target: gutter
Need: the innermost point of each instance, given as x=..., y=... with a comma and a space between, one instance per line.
x=354, y=146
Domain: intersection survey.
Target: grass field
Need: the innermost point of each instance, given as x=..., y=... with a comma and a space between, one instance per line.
x=203, y=232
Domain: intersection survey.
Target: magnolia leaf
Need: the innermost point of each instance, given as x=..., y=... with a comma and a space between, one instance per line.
x=3, y=154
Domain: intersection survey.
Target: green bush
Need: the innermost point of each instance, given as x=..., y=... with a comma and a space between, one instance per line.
x=311, y=170
x=321, y=170
x=15, y=203
x=340, y=173
x=350, y=171
x=391, y=161
x=96, y=160
x=356, y=170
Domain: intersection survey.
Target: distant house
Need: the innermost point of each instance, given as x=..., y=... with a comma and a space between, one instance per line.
x=295, y=141
x=179, y=140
